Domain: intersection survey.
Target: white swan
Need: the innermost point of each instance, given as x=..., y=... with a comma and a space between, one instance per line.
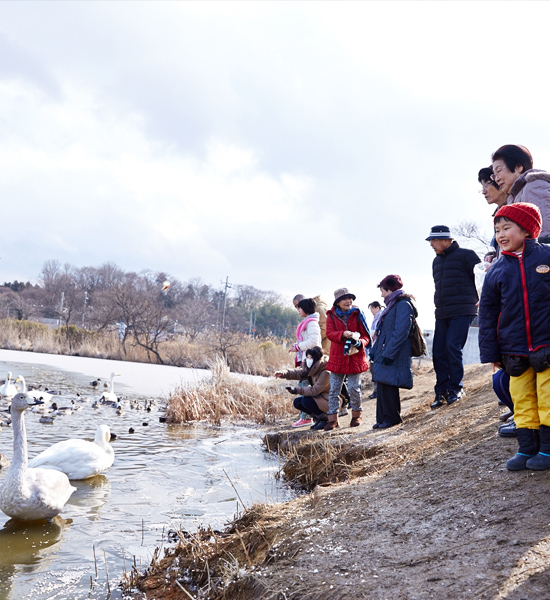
x=30, y=494
x=36, y=394
x=110, y=396
x=79, y=459
x=8, y=389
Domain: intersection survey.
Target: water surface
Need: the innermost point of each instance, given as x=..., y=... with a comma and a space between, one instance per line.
x=164, y=477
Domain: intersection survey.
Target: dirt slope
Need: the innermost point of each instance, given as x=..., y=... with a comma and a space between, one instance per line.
x=431, y=513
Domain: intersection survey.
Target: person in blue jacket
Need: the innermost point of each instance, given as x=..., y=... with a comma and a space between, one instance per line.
x=391, y=355
x=514, y=328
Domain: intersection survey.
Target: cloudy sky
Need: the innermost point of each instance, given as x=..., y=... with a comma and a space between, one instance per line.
x=295, y=147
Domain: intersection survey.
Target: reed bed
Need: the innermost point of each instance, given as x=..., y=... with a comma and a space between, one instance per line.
x=247, y=355
x=226, y=396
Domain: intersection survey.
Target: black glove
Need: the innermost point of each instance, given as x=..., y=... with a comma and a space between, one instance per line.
x=292, y=390
x=540, y=359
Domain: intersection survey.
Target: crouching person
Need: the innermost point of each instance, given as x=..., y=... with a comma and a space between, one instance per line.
x=313, y=398
x=514, y=328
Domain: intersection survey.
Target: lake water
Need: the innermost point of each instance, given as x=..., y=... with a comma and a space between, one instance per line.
x=164, y=477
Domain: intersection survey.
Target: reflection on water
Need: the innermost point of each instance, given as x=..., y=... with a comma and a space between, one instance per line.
x=26, y=545
x=163, y=477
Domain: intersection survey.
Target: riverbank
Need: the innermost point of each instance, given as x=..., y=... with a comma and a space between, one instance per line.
x=423, y=510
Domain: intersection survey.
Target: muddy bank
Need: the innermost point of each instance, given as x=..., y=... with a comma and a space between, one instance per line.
x=423, y=510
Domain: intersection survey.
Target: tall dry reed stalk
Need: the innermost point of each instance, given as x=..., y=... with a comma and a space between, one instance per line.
x=228, y=397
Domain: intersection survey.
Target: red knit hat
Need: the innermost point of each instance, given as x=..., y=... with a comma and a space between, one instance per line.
x=524, y=214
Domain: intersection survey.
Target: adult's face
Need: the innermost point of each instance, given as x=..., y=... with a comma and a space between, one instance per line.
x=374, y=310
x=504, y=177
x=301, y=312
x=440, y=246
x=492, y=194
x=384, y=292
x=345, y=304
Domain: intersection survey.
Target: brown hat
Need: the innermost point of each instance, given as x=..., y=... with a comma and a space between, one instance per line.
x=342, y=293
x=391, y=282
x=524, y=214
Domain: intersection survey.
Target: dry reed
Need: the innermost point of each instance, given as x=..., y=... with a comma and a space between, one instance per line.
x=228, y=397
x=251, y=356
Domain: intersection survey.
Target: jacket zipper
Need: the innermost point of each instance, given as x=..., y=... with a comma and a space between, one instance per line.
x=526, y=303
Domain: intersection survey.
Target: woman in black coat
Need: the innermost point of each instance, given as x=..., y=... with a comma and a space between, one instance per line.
x=391, y=354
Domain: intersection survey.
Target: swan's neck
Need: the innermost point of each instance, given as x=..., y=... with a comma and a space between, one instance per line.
x=23, y=386
x=112, y=388
x=19, y=461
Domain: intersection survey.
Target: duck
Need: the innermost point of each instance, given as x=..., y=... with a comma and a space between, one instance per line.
x=79, y=459
x=30, y=494
x=8, y=390
x=36, y=394
x=110, y=396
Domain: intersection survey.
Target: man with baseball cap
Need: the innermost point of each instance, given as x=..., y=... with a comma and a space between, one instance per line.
x=455, y=302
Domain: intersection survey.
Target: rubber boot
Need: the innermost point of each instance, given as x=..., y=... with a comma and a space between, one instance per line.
x=528, y=440
x=332, y=422
x=541, y=461
x=355, y=418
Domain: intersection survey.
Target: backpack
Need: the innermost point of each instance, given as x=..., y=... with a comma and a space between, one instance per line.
x=418, y=344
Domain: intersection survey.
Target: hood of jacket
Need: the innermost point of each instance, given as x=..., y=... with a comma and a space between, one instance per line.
x=528, y=177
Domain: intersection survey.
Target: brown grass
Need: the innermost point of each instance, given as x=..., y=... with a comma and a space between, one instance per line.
x=227, y=396
x=247, y=355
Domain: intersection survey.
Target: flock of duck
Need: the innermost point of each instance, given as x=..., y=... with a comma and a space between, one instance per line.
x=38, y=489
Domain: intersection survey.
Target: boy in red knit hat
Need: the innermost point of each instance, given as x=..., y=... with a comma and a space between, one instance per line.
x=514, y=328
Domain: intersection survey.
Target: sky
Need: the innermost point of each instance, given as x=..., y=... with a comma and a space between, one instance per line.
x=295, y=147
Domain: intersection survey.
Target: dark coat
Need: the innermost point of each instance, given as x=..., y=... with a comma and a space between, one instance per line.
x=514, y=311
x=338, y=362
x=455, y=286
x=319, y=381
x=391, y=355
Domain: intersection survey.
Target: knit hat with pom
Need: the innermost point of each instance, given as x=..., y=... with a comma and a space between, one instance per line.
x=524, y=214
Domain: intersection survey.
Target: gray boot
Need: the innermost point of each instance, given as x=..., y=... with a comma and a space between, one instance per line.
x=528, y=440
x=541, y=461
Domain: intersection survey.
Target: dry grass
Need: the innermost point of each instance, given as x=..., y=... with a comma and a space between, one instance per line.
x=227, y=396
x=251, y=356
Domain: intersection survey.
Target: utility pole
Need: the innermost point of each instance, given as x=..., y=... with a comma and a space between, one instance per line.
x=227, y=286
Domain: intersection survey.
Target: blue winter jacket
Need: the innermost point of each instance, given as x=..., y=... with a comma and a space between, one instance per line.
x=393, y=345
x=514, y=311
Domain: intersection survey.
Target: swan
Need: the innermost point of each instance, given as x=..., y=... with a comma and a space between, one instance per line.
x=36, y=394
x=79, y=459
x=8, y=389
x=110, y=396
x=30, y=494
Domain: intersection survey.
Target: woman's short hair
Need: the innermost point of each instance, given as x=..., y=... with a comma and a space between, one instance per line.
x=315, y=353
x=308, y=305
x=514, y=156
x=375, y=304
x=485, y=174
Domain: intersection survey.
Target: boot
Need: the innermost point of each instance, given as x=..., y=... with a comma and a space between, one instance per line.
x=355, y=418
x=332, y=422
x=541, y=461
x=528, y=440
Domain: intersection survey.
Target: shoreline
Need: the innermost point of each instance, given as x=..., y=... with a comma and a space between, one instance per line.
x=424, y=510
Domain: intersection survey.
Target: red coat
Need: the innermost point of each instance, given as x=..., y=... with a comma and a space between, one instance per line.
x=338, y=362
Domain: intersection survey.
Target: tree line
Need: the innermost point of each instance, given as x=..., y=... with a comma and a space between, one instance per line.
x=143, y=308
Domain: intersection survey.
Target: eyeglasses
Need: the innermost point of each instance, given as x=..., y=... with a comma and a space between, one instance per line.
x=487, y=184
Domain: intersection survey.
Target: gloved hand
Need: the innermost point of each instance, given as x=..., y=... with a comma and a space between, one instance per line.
x=292, y=390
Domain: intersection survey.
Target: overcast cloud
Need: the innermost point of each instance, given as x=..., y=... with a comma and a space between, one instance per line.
x=295, y=147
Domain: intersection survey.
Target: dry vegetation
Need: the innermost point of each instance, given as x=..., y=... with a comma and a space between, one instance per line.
x=244, y=354
x=228, y=397
x=425, y=510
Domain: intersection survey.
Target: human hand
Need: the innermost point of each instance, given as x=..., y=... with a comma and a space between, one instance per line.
x=277, y=374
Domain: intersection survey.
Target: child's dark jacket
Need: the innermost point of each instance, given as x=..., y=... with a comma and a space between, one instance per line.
x=514, y=310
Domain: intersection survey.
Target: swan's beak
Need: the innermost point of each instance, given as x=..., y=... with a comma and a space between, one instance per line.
x=33, y=401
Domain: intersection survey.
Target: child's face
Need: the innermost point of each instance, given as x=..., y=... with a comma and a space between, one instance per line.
x=510, y=236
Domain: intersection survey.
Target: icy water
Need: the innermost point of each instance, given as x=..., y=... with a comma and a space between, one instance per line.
x=164, y=477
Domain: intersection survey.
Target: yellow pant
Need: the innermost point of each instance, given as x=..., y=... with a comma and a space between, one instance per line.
x=531, y=395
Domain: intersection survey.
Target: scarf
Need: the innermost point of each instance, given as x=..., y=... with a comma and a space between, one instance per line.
x=344, y=316
x=389, y=301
